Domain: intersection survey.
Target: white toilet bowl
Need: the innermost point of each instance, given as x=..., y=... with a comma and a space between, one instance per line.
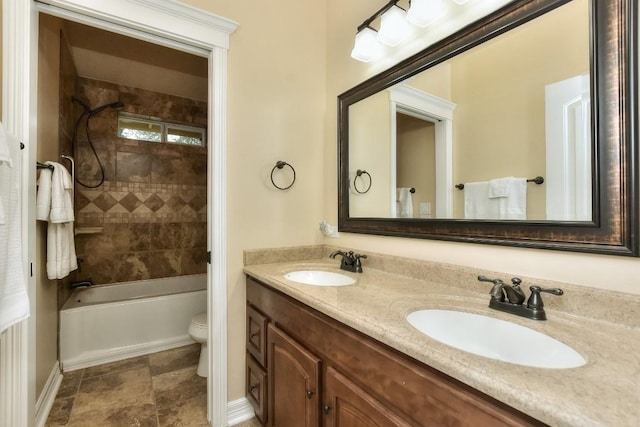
x=198, y=330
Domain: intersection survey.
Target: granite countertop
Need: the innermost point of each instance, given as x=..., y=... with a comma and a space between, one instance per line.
x=604, y=392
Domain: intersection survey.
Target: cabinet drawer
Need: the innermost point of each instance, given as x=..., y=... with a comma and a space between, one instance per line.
x=257, y=388
x=257, y=335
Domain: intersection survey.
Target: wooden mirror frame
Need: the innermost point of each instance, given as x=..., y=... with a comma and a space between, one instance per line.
x=613, y=70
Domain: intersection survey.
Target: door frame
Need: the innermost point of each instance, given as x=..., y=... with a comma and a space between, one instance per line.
x=413, y=102
x=164, y=22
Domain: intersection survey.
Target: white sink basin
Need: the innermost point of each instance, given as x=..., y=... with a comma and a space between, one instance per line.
x=319, y=278
x=495, y=339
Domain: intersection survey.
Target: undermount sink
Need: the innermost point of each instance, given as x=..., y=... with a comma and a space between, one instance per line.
x=496, y=339
x=319, y=278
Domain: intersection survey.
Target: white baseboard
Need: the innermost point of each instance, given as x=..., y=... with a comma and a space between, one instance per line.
x=99, y=357
x=48, y=395
x=238, y=411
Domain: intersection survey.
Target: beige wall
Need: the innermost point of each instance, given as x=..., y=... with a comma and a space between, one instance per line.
x=48, y=149
x=370, y=151
x=599, y=271
x=416, y=157
x=277, y=70
x=499, y=124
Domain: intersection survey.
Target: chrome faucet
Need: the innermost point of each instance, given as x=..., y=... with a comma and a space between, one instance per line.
x=350, y=261
x=514, y=296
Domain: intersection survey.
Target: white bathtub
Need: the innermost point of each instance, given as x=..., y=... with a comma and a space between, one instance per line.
x=106, y=323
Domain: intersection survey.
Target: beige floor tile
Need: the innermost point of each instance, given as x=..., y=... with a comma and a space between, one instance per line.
x=187, y=413
x=253, y=422
x=174, y=359
x=120, y=365
x=137, y=411
x=113, y=390
x=174, y=387
x=60, y=412
x=70, y=384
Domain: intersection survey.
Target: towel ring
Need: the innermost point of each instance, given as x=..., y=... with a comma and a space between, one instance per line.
x=279, y=165
x=359, y=174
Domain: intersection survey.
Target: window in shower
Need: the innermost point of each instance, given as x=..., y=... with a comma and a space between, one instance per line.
x=145, y=128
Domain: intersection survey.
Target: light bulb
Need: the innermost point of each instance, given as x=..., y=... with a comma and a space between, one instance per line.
x=393, y=26
x=366, y=47
x=424, y=12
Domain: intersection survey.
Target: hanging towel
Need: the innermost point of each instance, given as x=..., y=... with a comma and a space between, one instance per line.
x=43, y=198
x=61, y=195
x=404, y=203
x=477, y=204
x=499, y=187
x=55, y=193
x=14, y=302
x=515, y=205
x=61, y=250
x=5, y=152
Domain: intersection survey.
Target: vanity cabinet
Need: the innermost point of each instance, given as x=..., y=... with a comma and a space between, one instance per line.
x=321, y=372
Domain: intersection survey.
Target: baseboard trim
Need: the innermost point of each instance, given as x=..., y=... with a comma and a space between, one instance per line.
x=238, y=411
x=48, y=395
x=99, y=357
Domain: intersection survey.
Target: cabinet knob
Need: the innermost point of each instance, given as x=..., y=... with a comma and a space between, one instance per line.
x=253, y=335
x=310, y=394
x=326, y=409
x=252, y=387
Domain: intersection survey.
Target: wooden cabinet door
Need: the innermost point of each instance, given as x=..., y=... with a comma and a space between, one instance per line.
x=347, y=405
x=294, y=374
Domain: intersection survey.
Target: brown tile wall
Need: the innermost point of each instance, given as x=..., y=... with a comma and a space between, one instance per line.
x=152, y=205
x=66, y=121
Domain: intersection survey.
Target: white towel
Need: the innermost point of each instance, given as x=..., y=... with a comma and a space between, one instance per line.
x=54, y=203
x=479, y=205
x=14, y=302
x=5, y=141
x=515, y=205
x=61, y=250
x=43, y=198
x=404, y=203
x=499, y=187
x=61, y=195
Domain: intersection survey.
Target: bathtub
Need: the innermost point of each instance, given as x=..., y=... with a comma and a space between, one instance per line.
x=106, y=323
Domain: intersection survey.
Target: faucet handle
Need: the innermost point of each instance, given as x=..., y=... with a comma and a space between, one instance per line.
x=358, y=263
x=535, y=300
x=497, y=292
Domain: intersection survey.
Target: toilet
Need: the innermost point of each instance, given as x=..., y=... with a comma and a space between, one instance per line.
x=199, y=332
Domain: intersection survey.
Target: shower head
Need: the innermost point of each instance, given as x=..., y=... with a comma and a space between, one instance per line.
x=114, y=105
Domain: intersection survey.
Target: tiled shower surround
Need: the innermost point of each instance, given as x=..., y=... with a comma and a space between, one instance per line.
x=148, y=219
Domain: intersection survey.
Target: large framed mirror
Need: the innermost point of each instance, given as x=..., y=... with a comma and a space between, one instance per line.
x=519, y=129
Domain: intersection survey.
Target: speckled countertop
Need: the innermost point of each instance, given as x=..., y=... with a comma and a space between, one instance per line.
x=604, y=392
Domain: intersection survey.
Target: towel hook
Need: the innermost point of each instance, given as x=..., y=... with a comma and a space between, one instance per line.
x=359, y=174
x=279, y=165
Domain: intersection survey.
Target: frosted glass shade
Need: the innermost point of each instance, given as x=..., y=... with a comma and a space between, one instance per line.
x=424, y=12
x=393, y=27
x=366, y=47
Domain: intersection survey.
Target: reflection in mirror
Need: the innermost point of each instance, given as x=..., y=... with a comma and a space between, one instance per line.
x=517, y=105
x=537, y=88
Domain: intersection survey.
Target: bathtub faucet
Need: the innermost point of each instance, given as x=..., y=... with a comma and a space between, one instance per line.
x=80, y=284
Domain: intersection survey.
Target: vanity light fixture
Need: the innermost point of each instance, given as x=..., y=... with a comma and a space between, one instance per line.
x=394, y=28
x=424, y=12
x=366, y=47
x=394, y=25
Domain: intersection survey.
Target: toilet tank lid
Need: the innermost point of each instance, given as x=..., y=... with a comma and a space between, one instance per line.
x=200, y=318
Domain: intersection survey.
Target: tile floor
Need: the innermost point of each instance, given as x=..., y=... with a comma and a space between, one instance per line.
x=157, y=390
